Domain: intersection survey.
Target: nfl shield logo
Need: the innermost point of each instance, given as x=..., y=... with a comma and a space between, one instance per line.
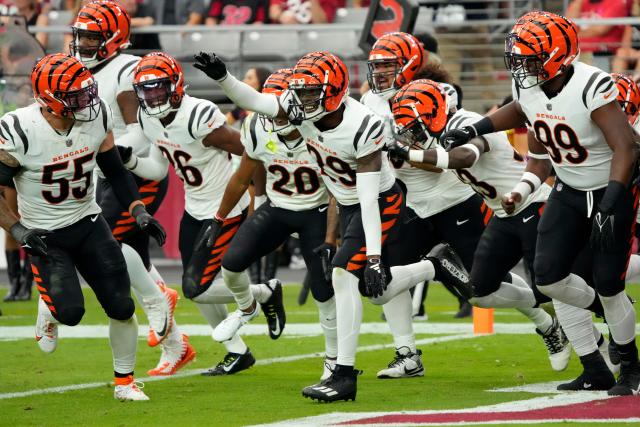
x=549, y=107
x=68, y=143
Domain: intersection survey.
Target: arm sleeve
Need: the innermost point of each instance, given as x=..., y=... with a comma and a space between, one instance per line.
x=153, y=167
x=124, y=186
x=367, y=185
x=134, y=138
x=247, y=98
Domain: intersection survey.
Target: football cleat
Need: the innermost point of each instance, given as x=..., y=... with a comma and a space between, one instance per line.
x=405, y=364
x=273, y=309
x=465, y=310
x=232, y=363
x=158, y=311
x=336, y=387
x=450, y=270
x=328, y=366
x=558, y=346
x=595, y=376
x=234, y=321
x=610, y=354
x=46, y=329
x=154, y=338
x=173, y=359
x=628, y=383
x=127, y=390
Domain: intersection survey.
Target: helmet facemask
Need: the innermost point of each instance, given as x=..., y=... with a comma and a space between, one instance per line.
x=81, y=105
x=416, y=132
x=88, y=46
x=281, y=127
x=155, y=97
x=382, y=76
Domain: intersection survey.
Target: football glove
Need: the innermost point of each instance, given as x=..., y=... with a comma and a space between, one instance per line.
x=149, y=224
x=398, y=151
x=210, y=235
x=457, y=137
x=211, y=65
x=326, y=251
x=125, y=153
x=375, y=278
x=31, y=239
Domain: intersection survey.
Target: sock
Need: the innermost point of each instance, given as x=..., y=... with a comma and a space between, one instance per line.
x=405, y=277
x=349, y=315
x=570, y=290
x=621, y=317
x=628, y=352
x=539, y=317
x=216, y=313
x=141, y=281
x=238, y=284
x=578, y=327
x=633, y=269
x=514, y=294
x=398, y=313
x=597, y=335
x=328, y=323
x=416, y=299
x=155, y=275
x=218, y=293
x=174, y=339
x=123, y=336
x=594, y=362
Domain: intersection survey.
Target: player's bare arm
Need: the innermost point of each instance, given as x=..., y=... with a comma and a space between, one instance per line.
x=225, y=138
x=333, y=222
x=460, y=157
x=9, y=166
x=260, y=181
x=237, y=186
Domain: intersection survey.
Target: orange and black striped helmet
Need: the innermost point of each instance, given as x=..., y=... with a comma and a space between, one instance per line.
x=65, y=87
x=158, y=81
x=420, y=113
x=321, y=82
x=394, y=61
x=100, y=31
x=541, y=46
x=628, y=96
x=276, y=84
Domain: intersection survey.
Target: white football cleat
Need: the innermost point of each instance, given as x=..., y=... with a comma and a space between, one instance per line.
x=158, y=311
x=234, y=321
x=46, y=329
x=173, y=359
x=128, y=390
x=404, y=365
x=328, y=366
x=558, y=346
x=604, y=350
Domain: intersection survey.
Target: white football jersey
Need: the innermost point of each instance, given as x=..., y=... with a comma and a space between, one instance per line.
x=205, y=171
x=576, y=146
x=55, y=183
x=293, y=176
x=498, y=170
x=337, y=151
x=428, y=193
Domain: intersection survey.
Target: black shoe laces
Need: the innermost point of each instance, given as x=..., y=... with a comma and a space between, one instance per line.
x=553, y=341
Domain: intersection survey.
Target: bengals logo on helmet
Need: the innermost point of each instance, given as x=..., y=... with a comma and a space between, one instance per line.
x=394, y=61
x=320, y=81
x=65, y=87
x=100, y=31
x=541, y=46
x=158, y=81
x=628, y=96
x=420, y=113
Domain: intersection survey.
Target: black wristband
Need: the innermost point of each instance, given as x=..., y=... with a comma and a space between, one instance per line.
x=137, y=210
x=483, y=126
x=614, y=192
x=17, y=230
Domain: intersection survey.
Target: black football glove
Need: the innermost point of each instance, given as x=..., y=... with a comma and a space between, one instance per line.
x=211, y=65
x=603, y=236
x=375, y=278
x=31, y=239
x=149, y=224
x=326, y=251
x=125, y=153
x=457, y=137
x=398, y=151
x=211, y=233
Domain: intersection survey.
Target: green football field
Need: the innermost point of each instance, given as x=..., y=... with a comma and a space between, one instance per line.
x=462, y=371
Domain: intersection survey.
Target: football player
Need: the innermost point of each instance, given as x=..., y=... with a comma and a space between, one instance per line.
x=580, y=128
x=100, y=34
x=345, y=139
x=50, y=150
x=191, y=135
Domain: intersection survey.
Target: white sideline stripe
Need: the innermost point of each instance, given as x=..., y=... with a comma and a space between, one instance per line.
x=550, y=387
x=516, y=406
x=299, y=329
x=192, y=372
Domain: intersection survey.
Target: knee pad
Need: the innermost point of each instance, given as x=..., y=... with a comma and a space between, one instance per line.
x=69, y=316
x=553, y=290
x=482, y=302
x=121, y=309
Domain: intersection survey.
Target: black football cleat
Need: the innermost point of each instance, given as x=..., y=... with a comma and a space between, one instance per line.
x=628, y=383
x=450, y=270
x=337, y=387
x=231, y=364
x=601, y=380
x=274, y=309
x=465, y=310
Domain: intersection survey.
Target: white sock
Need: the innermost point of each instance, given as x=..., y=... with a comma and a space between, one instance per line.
x=123, y=336
x=633, y=270
x=155, y=275
x=514, y=294
x=218, y=293
x=349, y=314
x=141, y=281
x=539, y=317
x=328, y=323
x=578, y=327
x=174, y=339
x=596, y=333
x=570, y=290
x=405, y=277
x=238, y=284
x=621, y=317
x=216, y=313
x=398, y=313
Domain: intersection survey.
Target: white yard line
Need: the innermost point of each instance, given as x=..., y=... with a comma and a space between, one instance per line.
x=192, y=372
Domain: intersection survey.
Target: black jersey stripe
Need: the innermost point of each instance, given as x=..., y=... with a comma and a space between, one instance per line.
x=360, y=131
x=453, y=123
x=252, y=131
x=103, y=109
x=127, y=65
x=20, y=132
x=192, y=117
x=204, y=110
x=5, y=126
x=587, y=87
x=140, y=118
